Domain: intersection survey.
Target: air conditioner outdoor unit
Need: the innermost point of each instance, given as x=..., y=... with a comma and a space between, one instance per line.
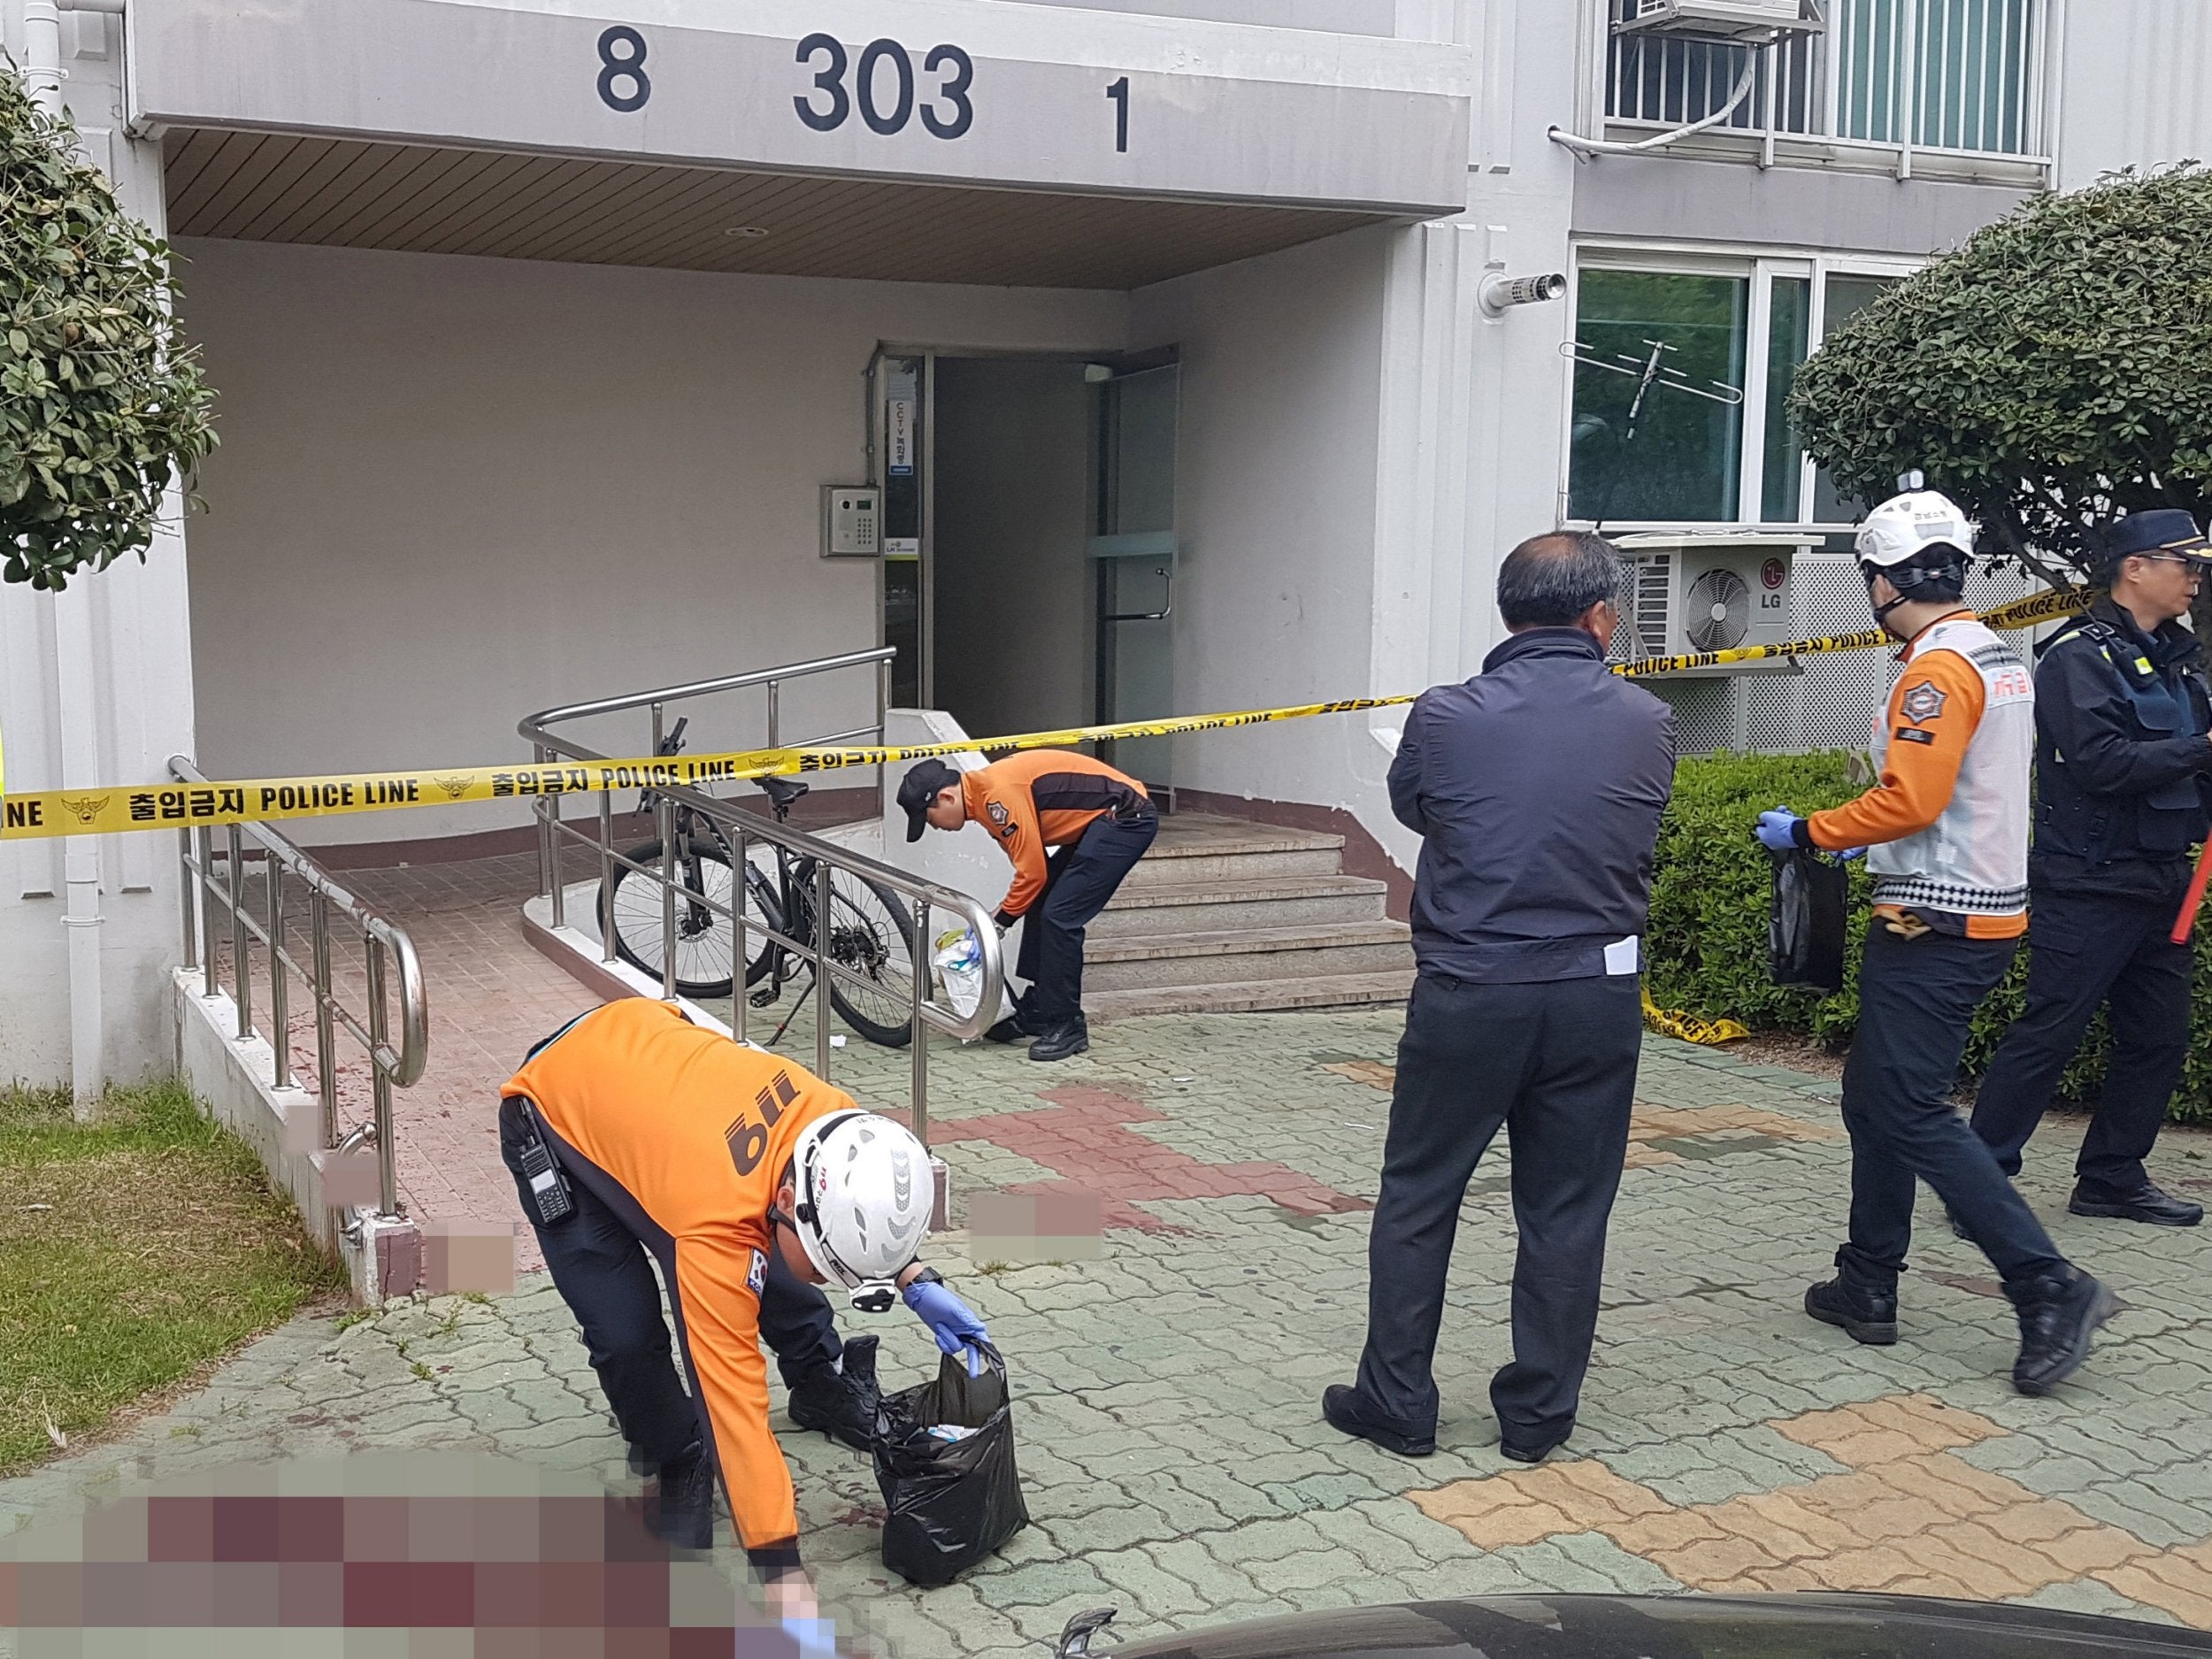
x=1717, y=19
x=1691, y=595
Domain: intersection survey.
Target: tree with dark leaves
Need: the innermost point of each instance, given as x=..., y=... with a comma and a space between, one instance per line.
x=2050, y=374
x=102, y=406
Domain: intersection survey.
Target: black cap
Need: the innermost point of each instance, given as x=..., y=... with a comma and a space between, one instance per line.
x=2157, y=530
x=918, y=788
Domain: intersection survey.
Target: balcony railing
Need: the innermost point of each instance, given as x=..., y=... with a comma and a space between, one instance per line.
x=1945, y=86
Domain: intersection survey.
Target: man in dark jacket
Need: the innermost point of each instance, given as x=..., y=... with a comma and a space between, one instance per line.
x=2122, y=789
x=1537, y=788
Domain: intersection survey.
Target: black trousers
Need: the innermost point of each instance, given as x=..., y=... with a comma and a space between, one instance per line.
x=1916, y=998
x=1078, y=880
x=597, y=1258
x=2089, y=950
x=1555, y=1063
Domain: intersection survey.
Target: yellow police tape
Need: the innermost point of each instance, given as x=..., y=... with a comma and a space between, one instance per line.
x=1672, y=1022
x=38, y=813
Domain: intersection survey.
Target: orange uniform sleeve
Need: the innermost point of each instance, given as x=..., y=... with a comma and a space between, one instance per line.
x=722, y=1339
x=1933, y=712
x=1021, y=838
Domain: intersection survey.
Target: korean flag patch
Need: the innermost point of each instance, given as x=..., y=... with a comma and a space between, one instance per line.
x=758, y=1275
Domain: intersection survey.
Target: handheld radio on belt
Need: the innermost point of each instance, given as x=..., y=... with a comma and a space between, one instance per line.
x=549, y=1186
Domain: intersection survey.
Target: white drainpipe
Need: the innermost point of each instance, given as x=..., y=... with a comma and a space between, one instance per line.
x=76, y=691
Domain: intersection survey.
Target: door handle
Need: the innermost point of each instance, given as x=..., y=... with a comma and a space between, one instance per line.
x=1167, y=609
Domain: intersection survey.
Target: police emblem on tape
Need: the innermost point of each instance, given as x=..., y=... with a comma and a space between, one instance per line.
x=757, y=1275
x=1923, y=703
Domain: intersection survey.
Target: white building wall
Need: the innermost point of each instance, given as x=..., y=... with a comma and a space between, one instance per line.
x=95, y=691
x=2136, y=86
x=453, y=491
x=1275, y=506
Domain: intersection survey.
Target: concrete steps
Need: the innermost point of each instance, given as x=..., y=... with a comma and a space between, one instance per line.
x=1229, y=917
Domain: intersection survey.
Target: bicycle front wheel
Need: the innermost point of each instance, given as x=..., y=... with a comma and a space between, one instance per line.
x=871, y=933
x=704, y=937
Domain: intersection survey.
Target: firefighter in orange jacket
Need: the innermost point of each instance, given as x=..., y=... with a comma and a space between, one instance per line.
x=1094, y=821
x=633, y=1132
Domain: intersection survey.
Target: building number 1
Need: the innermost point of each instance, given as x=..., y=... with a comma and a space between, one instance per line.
x=1119, y=93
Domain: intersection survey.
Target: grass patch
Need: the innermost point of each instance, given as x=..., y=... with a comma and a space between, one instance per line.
x=134, y=1248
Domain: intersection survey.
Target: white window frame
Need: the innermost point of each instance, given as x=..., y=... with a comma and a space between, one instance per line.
x=1759, y=267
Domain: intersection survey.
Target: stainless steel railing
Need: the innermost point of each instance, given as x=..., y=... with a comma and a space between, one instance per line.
x=220, y=883
x=747, y=830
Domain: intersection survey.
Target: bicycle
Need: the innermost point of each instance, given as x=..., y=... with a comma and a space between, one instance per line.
x=871, y=931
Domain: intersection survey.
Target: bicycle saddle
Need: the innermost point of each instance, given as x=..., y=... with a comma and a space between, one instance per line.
x=783, y=791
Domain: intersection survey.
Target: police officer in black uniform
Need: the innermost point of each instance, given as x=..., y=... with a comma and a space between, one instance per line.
x=2123, y=787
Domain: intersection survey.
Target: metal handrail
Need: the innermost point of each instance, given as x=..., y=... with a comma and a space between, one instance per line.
x=389, y=960
x=746, y=830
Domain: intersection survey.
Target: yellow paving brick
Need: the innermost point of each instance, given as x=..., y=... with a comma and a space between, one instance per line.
x=2089, y=1548
x=1842, y=1496
x=1976, y=1540
x=1957, y=1472
x=1592, y=1477
x=1987, y=1577
x=1937, y=1427
x=1781, y=1510
x=1650, y=1535
x=1873, y=1568
x=1644, y=1157
x=1742, y=1520
x=1494, y=1515
x=1713, y=1563
x=2185, y=1605
x=1938, y=1585
x=1930, y=1477
x=1798, y=1577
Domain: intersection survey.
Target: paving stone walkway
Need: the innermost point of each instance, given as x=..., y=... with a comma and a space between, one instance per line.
x=1173, y=1457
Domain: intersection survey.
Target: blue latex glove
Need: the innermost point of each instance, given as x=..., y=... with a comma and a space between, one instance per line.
x=1849, y=853
x=817, y=1637
x=950, y=1320
x=1777, y=829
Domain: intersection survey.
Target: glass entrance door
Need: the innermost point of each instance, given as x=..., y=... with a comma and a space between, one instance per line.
x=1135, y=552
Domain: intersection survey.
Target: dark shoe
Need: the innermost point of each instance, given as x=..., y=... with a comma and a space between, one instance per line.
x=680, y=1512
x=1340, y=1405
x=2147, y=1203
x=1008, y=1030
x=1865, y=1316
x=1063, y=1041
x=826, y=1398
x=2059, y=1314
x=1535, y=1452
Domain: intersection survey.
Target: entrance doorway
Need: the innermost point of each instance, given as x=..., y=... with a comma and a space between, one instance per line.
x=1043, y=597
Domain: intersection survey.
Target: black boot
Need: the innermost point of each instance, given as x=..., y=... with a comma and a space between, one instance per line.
x=1064, y=1041
x=680, y=1512
x=826, y=1398
x=1340, y=1405
x=2059, y=1314
x=2147, y=1203
x=1865, y=1312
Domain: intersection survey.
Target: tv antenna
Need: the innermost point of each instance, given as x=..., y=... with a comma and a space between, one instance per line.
x=1648, y=372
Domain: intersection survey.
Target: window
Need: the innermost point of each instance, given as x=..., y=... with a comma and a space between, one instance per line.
x=1709, y=438
x=1665, y=453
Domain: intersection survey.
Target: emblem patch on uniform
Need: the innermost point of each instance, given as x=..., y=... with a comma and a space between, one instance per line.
x=1001, y=818
x=1923, y=703
x=758, y=1275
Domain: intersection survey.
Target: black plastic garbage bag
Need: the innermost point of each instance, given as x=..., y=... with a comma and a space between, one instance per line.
x=945, y=1461
x=1806, y=926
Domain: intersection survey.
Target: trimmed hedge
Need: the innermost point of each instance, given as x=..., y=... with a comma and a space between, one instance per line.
x=1706, y=945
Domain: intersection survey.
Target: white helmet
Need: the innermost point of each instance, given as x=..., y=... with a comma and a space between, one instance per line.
x=864, y=1199
x=1904, y=524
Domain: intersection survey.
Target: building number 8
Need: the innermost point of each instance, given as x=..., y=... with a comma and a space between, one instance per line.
x=630, y=68
x=949, y=61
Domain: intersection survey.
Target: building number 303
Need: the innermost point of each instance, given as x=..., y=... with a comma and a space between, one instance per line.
x=946, y=111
